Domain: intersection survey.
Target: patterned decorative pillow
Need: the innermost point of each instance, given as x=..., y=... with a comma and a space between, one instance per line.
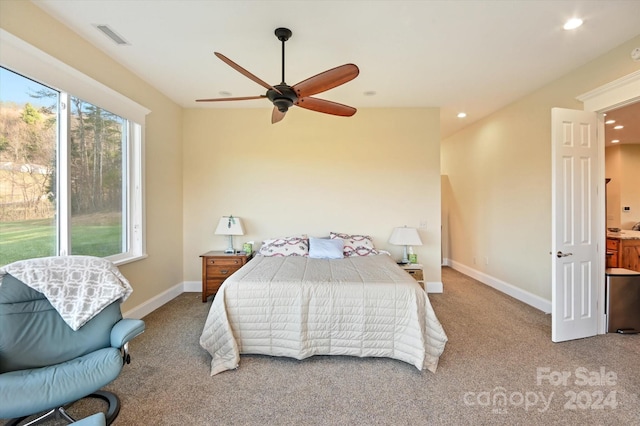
x=285, y=246
x=356, y=245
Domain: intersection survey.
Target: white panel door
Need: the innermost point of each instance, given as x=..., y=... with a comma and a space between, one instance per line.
x=575, y=268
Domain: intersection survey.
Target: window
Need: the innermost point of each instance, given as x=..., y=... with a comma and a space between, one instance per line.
x=28, y=133
x=70, y=168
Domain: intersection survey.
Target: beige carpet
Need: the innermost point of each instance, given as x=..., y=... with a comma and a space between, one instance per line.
x=499, y=368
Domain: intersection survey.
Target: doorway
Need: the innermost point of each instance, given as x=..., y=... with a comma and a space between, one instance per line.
x=622, y=166
x=620, y=93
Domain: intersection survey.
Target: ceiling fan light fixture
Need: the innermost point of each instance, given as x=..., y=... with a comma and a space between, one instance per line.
x=283, y=104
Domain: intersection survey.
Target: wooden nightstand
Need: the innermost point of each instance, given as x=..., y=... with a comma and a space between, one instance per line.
x=415, y=270
x=217, y=266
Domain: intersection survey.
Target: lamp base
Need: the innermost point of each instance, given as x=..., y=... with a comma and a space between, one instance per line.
x=405, y=258
x=229, y=249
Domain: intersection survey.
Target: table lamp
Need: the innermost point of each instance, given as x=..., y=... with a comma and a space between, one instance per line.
x=403, y=236
x=230, y=226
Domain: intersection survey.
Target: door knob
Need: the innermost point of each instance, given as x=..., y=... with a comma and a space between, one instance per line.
x=561, y=254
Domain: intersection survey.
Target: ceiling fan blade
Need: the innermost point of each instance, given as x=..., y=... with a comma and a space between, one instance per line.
x=327, y=107
x=241, y=98
x=244, y=72
x=326, y=80
x=276, y=115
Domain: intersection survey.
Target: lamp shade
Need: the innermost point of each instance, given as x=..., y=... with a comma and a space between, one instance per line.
x=229, y=225
x=403, y=236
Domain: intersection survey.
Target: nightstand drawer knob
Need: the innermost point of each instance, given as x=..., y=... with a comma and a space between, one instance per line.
x=224, y=271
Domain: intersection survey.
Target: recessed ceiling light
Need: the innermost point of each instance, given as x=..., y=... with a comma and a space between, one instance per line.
x=462, y=114
x=572, y=24
x=618, y=127
x=609, y=121
x=224, y=93
x=370, y=93
x=615, y=141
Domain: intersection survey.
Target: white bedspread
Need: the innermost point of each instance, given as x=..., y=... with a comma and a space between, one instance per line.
x=78, y=287
x=299, y=307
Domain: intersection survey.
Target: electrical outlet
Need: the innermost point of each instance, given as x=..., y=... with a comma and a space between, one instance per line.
x=486, y=260
x=423, y=223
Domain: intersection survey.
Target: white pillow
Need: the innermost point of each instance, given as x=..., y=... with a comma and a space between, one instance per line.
x=322, y=248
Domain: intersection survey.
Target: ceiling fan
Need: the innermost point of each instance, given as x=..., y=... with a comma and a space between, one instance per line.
x=284, y=96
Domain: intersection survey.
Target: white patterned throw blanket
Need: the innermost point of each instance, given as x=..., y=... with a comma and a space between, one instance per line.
x=78, y=287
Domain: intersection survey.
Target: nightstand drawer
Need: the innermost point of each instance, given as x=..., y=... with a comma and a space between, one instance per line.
x=416, y=274
x=221, y=271
x=223, y=262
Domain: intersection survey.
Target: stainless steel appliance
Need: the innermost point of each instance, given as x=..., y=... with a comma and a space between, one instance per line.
x=623, y=301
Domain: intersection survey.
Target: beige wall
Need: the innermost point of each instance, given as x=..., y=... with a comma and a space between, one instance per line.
x=630, y=193
x=623, y=167
x=613, y=171
x=499, y=172
x=163, y=156
x=311, y=173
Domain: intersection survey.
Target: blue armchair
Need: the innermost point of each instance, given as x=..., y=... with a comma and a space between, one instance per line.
x=45, y=366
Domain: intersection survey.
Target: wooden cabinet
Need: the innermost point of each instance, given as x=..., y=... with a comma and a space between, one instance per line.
x=623, y=253
x=630, y=254
x=613, y=253
x=217, y=266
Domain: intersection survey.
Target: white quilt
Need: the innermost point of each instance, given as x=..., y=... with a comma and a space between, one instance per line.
x=78, y=287
x=299, y=307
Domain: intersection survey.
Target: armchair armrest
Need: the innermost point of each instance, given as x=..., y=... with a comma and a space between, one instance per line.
x=125, y=330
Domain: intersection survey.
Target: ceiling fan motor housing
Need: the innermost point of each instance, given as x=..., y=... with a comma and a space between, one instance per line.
x=283, y=100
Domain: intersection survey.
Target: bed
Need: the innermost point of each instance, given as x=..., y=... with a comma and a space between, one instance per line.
x=299, y=306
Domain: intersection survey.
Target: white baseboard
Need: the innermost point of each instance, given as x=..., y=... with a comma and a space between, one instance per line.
x=196, y=287
x=517, y=293
x=434, y=286
x=155, y=302
x=192, y=286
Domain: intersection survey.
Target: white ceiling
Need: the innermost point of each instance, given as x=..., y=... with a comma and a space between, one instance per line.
x=474, y=56
x=628, y=117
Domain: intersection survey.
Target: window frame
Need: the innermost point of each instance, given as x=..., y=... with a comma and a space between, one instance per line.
x=25, y=59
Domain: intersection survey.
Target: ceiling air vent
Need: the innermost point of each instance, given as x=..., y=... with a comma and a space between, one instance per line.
x=112, y=35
